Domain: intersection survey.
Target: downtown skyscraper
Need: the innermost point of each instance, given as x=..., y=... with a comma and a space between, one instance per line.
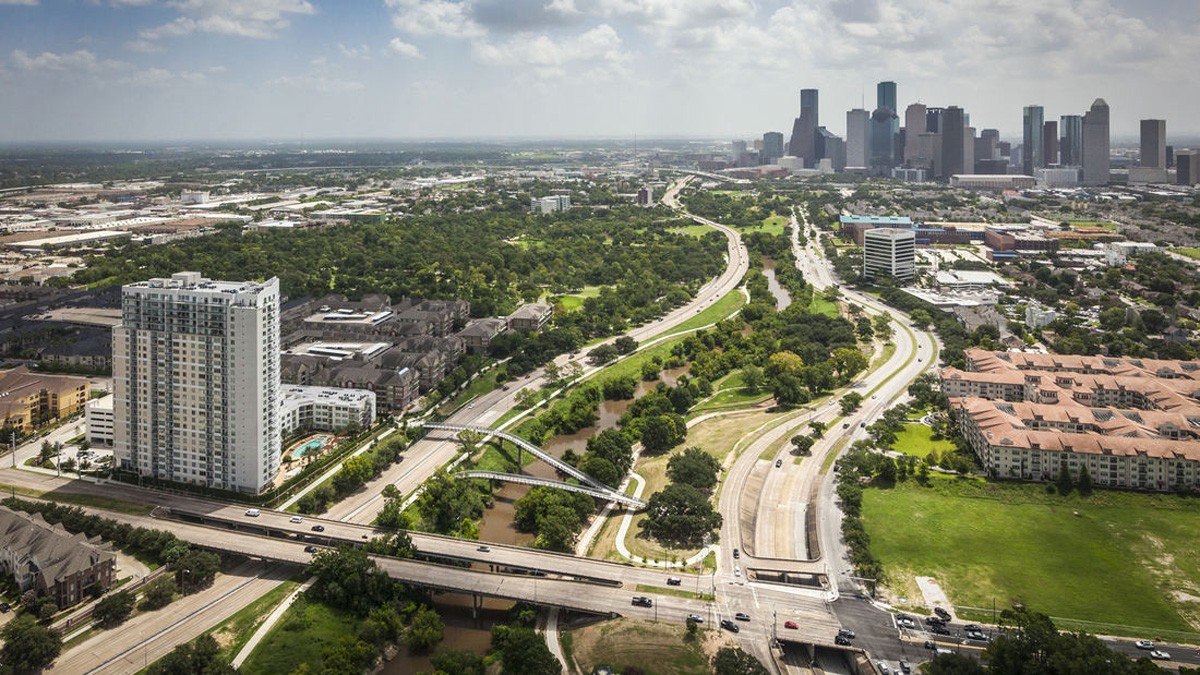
x=196, y=382
x=1033, y=146
x=1095, y=144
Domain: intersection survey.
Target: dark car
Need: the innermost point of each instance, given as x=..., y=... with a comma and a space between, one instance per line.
x=674, y=581
x=729, y=626
x=310, y=549
x=318, y=528
x=935, y=621
x=942, y=613
x=905, y=667
x=930, y=644
x=938, y=629
x=742, y=616
x=846, y=633
x=778, y=463
x=971, y=627
x=737, y=553
x=642, y=601
x=841, y=640
x=5, y=608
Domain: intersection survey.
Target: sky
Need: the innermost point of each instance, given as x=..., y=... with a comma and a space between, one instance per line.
x=163, y=70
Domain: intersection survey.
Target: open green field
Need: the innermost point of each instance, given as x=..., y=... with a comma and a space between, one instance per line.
x=729, y=392
x=1189, y=252
x=1108, y=225
x=236, y=631
x=298, y=638
x=655, y=648
x=720, y=310
x=574, y=301
x=820, y=305
x=1118, y=558
x=772, y=224
x=917, y=440
x=694, y=230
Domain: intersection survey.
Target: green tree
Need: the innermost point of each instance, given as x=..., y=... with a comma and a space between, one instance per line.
x=1085, y=481
x=849, y=362
x=802, y=444
x=426, y=631
x=625, y=345
x=348, y=579
x=523, y=651
x=602, y=355
x=734, y=661
x=1064, y=482
x=28, y=646
x=446, y=502
x=663, y=432
x=158, y=593
x=196, y=570
x=113, y=609
x=920, y=318
x=679, y=513
x=850, y=402
x=882, y=325
x=695, y=467
x=200, y=656
x=458, y=662
x=752, y=378
x=953, y=664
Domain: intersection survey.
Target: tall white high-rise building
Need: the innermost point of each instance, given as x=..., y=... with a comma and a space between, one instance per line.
x=889, y=251
x=196, y=381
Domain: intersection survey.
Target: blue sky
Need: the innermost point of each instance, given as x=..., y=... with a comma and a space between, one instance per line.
x=312, y=69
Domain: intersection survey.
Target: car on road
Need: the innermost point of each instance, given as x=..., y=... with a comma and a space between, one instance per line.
x=310, y=549
x=942, y=613
x=695, y=617
x=736, y=554
x=642, y=601
x=483, y=549
x=778, y=463
x=846, y=633
x=935, y=621
x=1160, y=655
x=1144, y=644
x=253, y=513
x=905, y=667
x=791, y=625
x=742, y=616
x=318, y=528
x=841, y=640
x=939, y=629
x=883, y=668
x=737, y=571
x=973, y=627
x=846, y=425
x=295, y=519
x=930, y=644
x=976, y=635
x=729, y=626
x=674, y=581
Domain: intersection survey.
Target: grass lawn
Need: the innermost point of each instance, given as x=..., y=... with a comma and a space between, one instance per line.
x=575, y=300
x=722, y=309
x=772, y=224
x=917, y=440
x=235, y=632
x=1075, y=224
x=730, y=392
x=1116, y=558
x=655, y=648
x=478, y=387
x=90, y=501
x=695, y=230
x=299, y=637
x=820, y=305
x=1189, y=252
x=678, y=592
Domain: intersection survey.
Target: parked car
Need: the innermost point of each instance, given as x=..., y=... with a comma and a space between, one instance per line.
x=790, y=625
x=742, y=616
x=976, y=635
x=935, y=621
x=1160, y=655
x=930, y=644
x=939, y=629
x=729, y=626
x=295, y=519
x=942, y=613
x=642, y=601
x=846, y=633
x=906, y=623
x=310, y=549
x=883, y=667
x=1144, y=644
x=841, y=640
x=318, y=528
x=778, y=463
x=905, y=667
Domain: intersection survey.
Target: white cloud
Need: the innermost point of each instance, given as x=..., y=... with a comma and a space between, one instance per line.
x=317, y=82
x=403, y=48
x=259, y=19
x=359, y=52
x=435, y=17
x=79, y=61
x=143, y=46
x=24, y=3
x=600, y=46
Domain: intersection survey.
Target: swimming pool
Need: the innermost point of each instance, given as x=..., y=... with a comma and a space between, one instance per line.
x=309, y=446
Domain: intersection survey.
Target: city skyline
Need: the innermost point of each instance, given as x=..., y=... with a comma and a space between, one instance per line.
x=129, y=70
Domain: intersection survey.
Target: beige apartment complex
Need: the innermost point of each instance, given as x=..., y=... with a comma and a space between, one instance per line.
x=1134, y=423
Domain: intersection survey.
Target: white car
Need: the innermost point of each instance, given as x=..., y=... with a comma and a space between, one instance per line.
x=1144, y=644
x=295, y=519
x=1160, y=655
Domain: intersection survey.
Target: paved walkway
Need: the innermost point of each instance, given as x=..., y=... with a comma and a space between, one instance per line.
x=627, y=520
x=267, y=625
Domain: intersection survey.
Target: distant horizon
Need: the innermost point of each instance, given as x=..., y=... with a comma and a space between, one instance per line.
x=153, y=71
